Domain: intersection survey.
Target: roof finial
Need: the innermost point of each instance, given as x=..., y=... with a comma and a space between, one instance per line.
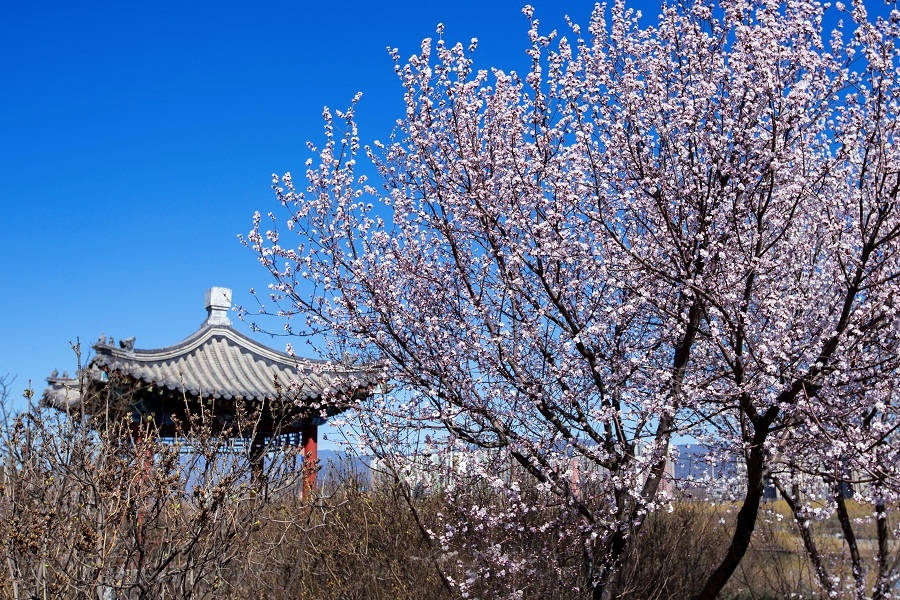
x=218, y=302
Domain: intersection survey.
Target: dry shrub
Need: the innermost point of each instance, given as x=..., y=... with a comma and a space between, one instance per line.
x=104, y=510
x=97, y=512
x=358, y=543
x=673, y=553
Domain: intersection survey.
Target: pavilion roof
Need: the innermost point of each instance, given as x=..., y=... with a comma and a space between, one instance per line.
x=218, y=362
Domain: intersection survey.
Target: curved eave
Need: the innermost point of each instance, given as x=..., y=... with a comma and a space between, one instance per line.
x=219, y=362
x=62, y=393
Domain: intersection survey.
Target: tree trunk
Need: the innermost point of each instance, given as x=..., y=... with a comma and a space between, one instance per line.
x=847, y=527
x=808, y=542
x=746, y=522
x=613, y=552
x=881, y=584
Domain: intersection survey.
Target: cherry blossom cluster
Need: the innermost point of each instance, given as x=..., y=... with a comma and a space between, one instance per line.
x=684, y=229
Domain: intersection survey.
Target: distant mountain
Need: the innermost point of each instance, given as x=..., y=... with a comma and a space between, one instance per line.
x=338, y=464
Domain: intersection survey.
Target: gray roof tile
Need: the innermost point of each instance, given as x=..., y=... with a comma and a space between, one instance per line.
x=219, y=362
x=216, y=362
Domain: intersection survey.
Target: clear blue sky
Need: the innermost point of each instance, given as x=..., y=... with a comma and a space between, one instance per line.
x=138, y=139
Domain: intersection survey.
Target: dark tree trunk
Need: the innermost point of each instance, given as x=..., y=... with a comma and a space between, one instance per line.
x=613, y=552
x=630, y=511
x=850, y=537
x=806, y=535
x=746, y=523
x=882, y=586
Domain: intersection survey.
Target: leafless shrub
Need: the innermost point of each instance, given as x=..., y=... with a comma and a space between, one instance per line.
x=101, y=508
x=97, y=506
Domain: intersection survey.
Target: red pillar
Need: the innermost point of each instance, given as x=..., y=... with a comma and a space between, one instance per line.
x=309, y=443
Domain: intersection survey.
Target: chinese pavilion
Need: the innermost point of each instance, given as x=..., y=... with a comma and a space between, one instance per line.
x=218, y=371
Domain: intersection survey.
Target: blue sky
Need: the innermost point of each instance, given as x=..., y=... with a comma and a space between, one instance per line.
x=138, y=139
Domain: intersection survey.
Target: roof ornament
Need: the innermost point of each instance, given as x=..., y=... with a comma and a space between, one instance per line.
x=218, y=303
x=127, y=344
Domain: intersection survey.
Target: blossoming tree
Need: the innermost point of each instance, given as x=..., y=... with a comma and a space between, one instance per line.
x=674, y=229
